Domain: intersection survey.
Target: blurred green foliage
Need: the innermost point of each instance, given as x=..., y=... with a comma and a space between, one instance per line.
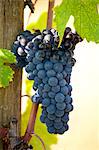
x=40, y=24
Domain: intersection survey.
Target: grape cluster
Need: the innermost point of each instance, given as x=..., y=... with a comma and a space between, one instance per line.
x=50, y=67
x=19, y=47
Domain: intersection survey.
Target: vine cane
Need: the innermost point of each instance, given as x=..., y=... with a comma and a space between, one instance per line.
x=31, y=123
x=50, y=14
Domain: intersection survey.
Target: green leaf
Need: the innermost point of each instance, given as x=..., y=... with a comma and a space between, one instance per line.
x=6, y=73
x=86, y=18
x=6, y=56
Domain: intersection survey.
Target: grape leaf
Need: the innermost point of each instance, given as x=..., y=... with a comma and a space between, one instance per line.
x=6, y=73
x=86, y=17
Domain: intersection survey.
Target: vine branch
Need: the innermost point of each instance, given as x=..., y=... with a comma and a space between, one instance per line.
x=50, y=13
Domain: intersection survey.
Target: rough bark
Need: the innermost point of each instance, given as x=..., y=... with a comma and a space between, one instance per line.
x=11, y=23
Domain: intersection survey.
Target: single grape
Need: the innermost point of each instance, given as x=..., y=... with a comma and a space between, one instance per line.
x=68, y=99
x=51, y=116
x=59, y=97
x=61, y=106
x=58, y=125
x=44, y=94
x=40, y=66
x=51, y=109
x=57, y=119
x=65, y=118
x=51, y=94
x=62, y=82
x=64, y=74
x=59, y=113
x=53, y=81
x=68, y=79
x=59, y=76
x=46, y=102
x=51, y=73
x=68, y=70
x=30, y=76
x=47, y=88
x=44, y=112
x=62, y=130
x=21, y=51
x=42, y=118
x=56, y=89
x=36, y=61
x=64, y=90
x=53, y=101
x=51, y=129
x=45, y=80
x=69, y=107
x=31, y=66
x=69, y=87
x=48, y=122
x=48, y=65
x=40, y=55
x=35, y=72
x=41, y=74
x=23, y=41
x=58, y=67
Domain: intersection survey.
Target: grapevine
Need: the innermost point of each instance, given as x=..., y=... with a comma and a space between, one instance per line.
x=50, y=66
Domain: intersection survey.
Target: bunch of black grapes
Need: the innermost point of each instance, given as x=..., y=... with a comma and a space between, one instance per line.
x=50, y=66
x=22, y=41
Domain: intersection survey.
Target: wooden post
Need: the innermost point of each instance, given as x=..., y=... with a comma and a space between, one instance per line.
x=11, y=23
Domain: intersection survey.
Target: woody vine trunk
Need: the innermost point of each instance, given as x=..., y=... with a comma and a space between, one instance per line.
x=11, y=23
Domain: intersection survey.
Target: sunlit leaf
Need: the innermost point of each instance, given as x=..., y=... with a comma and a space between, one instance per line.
x=86, y=17
x=6, y=72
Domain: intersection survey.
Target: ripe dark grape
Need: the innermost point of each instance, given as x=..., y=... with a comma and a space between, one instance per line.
x=41, y=74
x=64, y=90
x=47, y=88
x=58, y=67
x=48, y=65
x=56, y=89
x=51, y=116
x=51, y=73
x=46, y=102
x=51, y=109
x=59, y=97
x=61, y=106
x=53, y=81
x=48, y=122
